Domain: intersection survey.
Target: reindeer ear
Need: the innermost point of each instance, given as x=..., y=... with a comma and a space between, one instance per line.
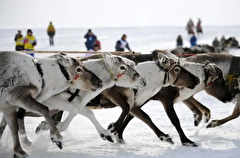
x=211, y=69
x=64, y=59
x=164, y=61
x=160, y=55
x=206, y=62
x=106, y=54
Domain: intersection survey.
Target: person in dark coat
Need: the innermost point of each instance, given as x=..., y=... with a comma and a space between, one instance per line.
x=179, y=41
x=216, y=43
x=122, y=44
x=91, y=38
x=19, y=41
x=199, y=27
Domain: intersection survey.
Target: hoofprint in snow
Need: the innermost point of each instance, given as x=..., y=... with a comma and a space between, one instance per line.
x=81, y=138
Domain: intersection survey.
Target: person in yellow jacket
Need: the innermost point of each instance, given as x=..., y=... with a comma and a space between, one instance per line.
x=51, y=33
x=19, y=41
x=29, y=42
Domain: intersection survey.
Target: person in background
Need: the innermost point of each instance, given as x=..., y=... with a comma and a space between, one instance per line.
x=222, y=40
x=193, y=40
x=179, y=41
x=199, y=27
x=98, y=43
x=51, y=32
x=122, y=44
x=91, y=38
x=19, y=41
x=96, y=48
x=29, y=42
x=215, y=43
x=190, y=27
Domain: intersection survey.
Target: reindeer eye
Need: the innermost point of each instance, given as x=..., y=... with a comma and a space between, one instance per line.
x=122, y=67
x=177, y=70
x=220, y=80
x=79, y=69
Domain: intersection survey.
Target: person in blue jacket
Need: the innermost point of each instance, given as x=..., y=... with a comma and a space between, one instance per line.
x=193, y=40
x=91, y=38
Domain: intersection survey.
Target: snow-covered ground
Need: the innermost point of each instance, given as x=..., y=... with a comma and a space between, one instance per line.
x=81, y=138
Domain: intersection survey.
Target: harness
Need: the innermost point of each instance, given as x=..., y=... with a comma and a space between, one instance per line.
x=233, y=75
x=207, y=77
x=166, y=75
x=73, y=95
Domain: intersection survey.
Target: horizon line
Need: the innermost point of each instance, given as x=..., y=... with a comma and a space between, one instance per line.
x=98, y=27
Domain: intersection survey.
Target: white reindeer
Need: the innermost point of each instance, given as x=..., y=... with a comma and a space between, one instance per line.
x=25, y=83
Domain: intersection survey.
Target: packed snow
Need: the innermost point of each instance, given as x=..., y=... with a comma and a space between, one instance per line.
x=82, y=140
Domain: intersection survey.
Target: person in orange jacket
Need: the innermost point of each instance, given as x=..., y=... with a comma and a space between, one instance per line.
x=51, y=32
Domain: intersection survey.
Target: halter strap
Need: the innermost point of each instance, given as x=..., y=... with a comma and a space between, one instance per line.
x=64, y=71
x=73, y=95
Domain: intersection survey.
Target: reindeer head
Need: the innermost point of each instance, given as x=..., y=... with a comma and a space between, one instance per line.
x=78, y=75
x=123, y=71
x=176, y=74
x=215, y=83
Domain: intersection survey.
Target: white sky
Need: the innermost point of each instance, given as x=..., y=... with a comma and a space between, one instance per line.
x=116, y=13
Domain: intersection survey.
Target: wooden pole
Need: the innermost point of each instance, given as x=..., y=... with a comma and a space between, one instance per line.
x=75, y=52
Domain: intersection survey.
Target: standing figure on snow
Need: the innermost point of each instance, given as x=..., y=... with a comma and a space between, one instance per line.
x=122, y=44
x=215, y=43
x=199, y=27
x=190, y=27
x=19, y=41
x=193, y=40
x=51, y=33
x=91, y=38
x=179, y=41
x=29, y=42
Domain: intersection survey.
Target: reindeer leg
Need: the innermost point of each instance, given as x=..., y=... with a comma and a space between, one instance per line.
x=197, y=114
x=11, y=119
x=117, y=98
x=119, y=134
x=105, y=134
x=31, y=104
x=168, y=106
x=22, y=131
x=235, y=114
x=202, y=108
x=3, y=125
x=138, y=112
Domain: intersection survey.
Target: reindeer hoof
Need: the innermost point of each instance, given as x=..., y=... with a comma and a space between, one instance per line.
x=196, y=123
x=190, y=144
x=166, y=138
x=111, y=127
x=214, y=123
x=43, y=126
x=58, y=143
x=118, y=138
x=20, y=155
x=107, y=137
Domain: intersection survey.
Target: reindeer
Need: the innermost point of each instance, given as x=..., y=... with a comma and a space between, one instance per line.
x=26, y=83
x=112, y=70
x=211, y=80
